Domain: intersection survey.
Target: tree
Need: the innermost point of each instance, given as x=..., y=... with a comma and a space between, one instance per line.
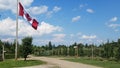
x=118, y=51
x=50, y=45
x=12, y=48
x=0, y=46
x=118, y=54
x=107, y=50
x=1, y=50
x=80, y=49
x=26, y=46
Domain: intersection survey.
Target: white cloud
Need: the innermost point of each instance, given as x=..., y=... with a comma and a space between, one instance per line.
x=116, y=30
x=11, y=5
x=46, y=28
x=26, y=2
x=58, y=37
x=114, y=19
x=75, y=19
x=90, y=10
x=56, y=9
x=49, y=13
x=89, y=37
x=38, y=10
x=79, y=33
x=9, y=28
x=72, y=35
x=82, y=5
x=99, y=41
x=8, y=39
x=114, y=25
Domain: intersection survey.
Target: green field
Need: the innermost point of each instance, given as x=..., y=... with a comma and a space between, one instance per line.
x=19, y=63
x=104, y=63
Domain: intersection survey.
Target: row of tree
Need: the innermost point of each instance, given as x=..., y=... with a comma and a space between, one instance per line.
x=109, y=50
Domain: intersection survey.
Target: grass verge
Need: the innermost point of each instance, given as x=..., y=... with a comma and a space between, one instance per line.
x=104, y=63
x=19, y=63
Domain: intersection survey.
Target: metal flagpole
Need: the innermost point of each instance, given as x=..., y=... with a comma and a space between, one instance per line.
x=16, y=47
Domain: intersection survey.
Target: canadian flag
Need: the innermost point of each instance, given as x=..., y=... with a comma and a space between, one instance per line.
x=21, y=10
x=26, y=16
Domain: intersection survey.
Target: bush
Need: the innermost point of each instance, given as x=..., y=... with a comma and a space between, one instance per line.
x=1, y=57
x=9, y=56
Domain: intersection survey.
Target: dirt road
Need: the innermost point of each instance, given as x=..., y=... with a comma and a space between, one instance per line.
x=57, y=63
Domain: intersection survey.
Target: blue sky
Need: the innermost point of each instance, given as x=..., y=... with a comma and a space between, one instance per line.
x=63, y=21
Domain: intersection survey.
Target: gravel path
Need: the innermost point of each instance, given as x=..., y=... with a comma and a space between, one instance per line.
x=57, y=63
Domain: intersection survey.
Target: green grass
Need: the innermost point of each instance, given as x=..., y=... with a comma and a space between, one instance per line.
x=104, y=64
x=19, y=63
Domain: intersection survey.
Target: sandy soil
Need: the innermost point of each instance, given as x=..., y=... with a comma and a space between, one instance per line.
x=57, y=63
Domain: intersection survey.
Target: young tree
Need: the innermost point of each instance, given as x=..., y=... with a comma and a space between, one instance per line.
x=26, y=46
x=107, y=50
x=50, y=45
x=80, y=49
x=0, y=50
x=118, y=51
x=118, y=54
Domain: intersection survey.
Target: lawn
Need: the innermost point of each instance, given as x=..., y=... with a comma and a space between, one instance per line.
x=104, y=63
x=19, y=63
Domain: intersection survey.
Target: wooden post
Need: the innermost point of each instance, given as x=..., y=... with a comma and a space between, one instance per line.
x=92, y=51
x=75, y=47
x=3, y=57
x=77, y=51
x=68, y=50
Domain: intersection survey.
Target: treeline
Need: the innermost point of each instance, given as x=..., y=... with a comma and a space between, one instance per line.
x=9, y=49
x=23, y=49
x=108, y=50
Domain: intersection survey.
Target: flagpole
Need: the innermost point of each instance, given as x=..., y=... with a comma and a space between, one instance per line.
x=16, y=47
